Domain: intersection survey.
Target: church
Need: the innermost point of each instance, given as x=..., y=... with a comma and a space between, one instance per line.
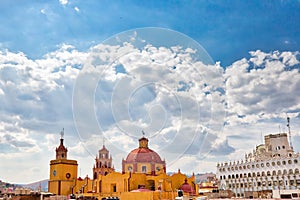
x=143, y=176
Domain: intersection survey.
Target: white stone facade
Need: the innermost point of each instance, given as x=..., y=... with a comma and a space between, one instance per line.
x=271, y=166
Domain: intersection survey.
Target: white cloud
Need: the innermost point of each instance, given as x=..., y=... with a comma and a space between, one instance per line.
x=76, y=9
x=63, y=2
x=264, y=84
x=120, y=90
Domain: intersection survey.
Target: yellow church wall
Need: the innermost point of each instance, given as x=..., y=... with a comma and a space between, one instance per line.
x=61, y=187
x=161, y=169
x=114, y=182
x=137, y=179
x=63, y=174
x=137, y=196
x=60, y=168
x=126, y=167
x=157, y=195
x=140, y=166
x=178, y=179
x=83, y=186
x=53, y=187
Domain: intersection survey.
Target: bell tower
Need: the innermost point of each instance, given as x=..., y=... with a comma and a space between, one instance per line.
x=103, y=164
x=61, y=151
x=63, y=172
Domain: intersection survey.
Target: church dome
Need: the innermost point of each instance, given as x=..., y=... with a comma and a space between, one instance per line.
x=143, y=160
x=187, y=188
x=143, y=153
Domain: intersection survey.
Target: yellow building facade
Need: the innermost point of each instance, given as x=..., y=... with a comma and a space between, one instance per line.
x=63, y=172
x=152, y=183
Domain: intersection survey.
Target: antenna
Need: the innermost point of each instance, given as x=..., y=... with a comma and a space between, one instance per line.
x=62, y=133
x=289, y=129
x=279, y=128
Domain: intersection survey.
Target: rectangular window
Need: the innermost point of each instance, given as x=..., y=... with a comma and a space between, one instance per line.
x=144, y=169
x=113, y=188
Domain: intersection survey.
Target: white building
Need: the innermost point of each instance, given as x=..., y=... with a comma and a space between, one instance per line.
x=272, y=168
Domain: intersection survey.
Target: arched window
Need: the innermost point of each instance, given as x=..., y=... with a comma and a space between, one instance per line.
x=258, y=174
x=249, y=174
x=284, y=172
x=296, y=171
x=278, y=163
x=95, y=175
x=263, y=174
x=290, y=171
x=268, y=173
x=279, y=172
x=274, y=173
x=229, y=177
x=253, y=174
x=241, y=175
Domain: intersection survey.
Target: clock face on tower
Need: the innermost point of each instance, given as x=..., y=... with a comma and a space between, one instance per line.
x=130, y=168
x=54, y=172
x=68, y=175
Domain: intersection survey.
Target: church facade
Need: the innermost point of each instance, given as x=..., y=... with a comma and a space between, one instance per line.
x=63, y=171
x=143, y=176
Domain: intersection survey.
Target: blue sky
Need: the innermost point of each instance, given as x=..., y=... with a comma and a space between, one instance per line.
x=228, y=30
x=60, y=67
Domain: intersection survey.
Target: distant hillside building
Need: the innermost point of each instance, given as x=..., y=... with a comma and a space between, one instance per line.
x=272, y=168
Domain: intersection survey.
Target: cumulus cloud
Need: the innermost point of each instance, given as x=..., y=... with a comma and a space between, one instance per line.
x=191, y=111
x=160, y=90
x=266, y=85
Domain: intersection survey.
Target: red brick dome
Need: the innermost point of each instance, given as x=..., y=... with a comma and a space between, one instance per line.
x=187, y=188
x=149, y=160
x=143, y=155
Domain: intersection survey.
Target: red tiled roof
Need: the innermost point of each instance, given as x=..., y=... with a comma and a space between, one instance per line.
x=143, y=155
